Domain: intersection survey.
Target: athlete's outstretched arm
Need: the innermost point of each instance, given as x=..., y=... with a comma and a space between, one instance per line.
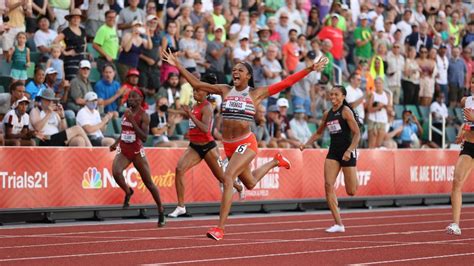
x=169, y=57
x=265, y=92
x=318, y=132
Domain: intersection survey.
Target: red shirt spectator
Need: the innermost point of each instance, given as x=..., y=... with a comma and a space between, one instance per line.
x=335, y=35
x=291, y=52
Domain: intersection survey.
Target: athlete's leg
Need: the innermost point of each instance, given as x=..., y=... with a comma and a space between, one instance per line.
x=331, y=170
x=118, y=166
x=141, y=164
x=350, y=180
x=189, y=159
x=213, y=160
x=461, y=172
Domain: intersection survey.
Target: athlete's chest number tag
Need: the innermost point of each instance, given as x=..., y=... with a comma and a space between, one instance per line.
x=128, y=136
x=334, y=126
x=235, y=105
x=241, y=149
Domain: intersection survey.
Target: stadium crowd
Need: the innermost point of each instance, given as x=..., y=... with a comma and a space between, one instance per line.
x=66, y=67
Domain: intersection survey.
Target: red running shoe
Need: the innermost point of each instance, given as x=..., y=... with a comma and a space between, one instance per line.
x=282, y=161
x=215, y=233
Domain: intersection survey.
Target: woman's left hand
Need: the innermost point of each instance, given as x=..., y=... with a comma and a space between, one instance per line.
x=320, y=64
x=346, y=156
x=469, y=114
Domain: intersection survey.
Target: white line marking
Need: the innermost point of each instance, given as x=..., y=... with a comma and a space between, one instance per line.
x=415, y=259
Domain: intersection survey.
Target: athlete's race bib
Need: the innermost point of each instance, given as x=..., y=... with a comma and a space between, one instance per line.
x=334, y=126
x=191, y=123
x=235, y=105
x=128, y=136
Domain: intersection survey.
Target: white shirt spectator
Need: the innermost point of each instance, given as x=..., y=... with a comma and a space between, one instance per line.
x=439, y=111
x=275, y=67
x=405, y=28
x=240, y=53
x=293, y=16
x=234, y=28
x=300, y=129
x=354, y=94
x=18, y=123
x=379, y=20
x=87, y=117
x=45, y=39
x=396, y=64
x=442, y=65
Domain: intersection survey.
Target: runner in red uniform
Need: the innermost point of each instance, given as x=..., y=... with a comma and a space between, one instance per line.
x=201, y=145
x=129, y=146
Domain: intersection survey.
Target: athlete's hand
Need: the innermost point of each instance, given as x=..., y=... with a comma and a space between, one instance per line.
x=469, y=114
x=302, y=147
x=346, y=156
x=169, y=57
x=459, y=139
x=187, y=110
x=320, y=64
x=113, y=147
x=128, y=114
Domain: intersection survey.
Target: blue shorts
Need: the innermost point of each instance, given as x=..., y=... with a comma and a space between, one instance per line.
x=19, y=74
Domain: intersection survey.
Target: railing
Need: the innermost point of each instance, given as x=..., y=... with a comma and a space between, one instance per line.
x=431, y=128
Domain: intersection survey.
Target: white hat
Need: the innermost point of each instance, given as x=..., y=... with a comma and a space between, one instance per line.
x=90, y=96
x=137, y=22
x=219, y=27
x=50, y=70
x=345, y=7
x=151, y=17
x=282, y=102
x=23, y=99
x=84, y=64
x=363, y=16
x=243, y=36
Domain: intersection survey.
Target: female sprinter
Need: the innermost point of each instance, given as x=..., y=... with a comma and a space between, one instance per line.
x=201, y=144
x=238, y=110
x=343, y=127
x=464, y=163
x=129, y=148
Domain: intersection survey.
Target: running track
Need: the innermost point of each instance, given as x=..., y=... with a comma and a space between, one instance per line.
x=395, y=236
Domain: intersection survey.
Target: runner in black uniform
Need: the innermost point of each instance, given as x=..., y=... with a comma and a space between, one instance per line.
x=341, y=121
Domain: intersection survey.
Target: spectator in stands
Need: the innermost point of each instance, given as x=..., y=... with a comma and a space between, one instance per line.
x=328, y=72
x=427, y=75
x=173, y=9
x=335, y=35
x=404, y=25
x=314, y=24
x=466, y=56
x=301, y=91
x=151, y=11
x=411, y=78
x=80, y=85
x=442, y=65
x=396, y=64
x=36, y=84
x=170, y=91
x=97, y=16
x=89, y=119
x=272, y=70
x=286, y=130
x=217, y=20
x=197, y=15
x=169, y=42
x=290, y=52
x=131, y=48
x=150, y=58
x=455, y=27
x=282, y=28
x=263, y=41
x=439, y=111
x=295, y=20
x=299, y=125
x=363, y=39
x=421, y=38
x=275, y=35
x=106, y=40
x=240, y=28
x=378, y=107
x=130, y=14
x=260, y=130
x=468, y=39
x=108, y=91
x=356, y=97
x=49, y=120
x=162, y=124
x=130, y=83
x=184, y=18
x=15, y=125
x=56, y=63
x=17, y=91
x=456, y=77
x=62, y=89
x=242, y=51
x=273, y=127
x=16, y=23
x=200, y=35
x=189, y=49
x=44, y=38
x=19, y=56
x=216, y=53
x=61, y=10
x=76, y=44
x=408, y=133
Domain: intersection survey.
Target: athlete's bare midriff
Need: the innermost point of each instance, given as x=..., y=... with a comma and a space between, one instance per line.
x=469, y=136
x=235, y=129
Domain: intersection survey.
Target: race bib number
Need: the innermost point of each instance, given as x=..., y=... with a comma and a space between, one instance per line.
x=128, y=136
x=191, y=124
x=241, y=149
x=235, y=105
x=334, y=126
x=142, y=153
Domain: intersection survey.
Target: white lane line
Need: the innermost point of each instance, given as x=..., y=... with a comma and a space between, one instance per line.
x=418, y=258
x=278, y=241
x=201, y=236
x=234, y=225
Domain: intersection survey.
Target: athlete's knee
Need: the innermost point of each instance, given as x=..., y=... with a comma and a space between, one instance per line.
x=457, y=184
x=116, y=172
x=227, y=182
x=328, y=187
x=351, y=191
x=180, y=170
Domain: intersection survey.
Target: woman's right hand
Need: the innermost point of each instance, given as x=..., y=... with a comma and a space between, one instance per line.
x=169, y=57
x=113, y=147
x=302, y=147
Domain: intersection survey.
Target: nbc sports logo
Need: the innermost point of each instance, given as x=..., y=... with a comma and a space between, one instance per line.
x=91, y=179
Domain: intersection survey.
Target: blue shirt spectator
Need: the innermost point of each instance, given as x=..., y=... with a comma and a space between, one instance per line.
x=456, y=70
x=35, y=85
x=108, y=90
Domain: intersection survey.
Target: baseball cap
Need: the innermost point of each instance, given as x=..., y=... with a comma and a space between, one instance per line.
x=133, y=72
x=311, y=55
x=90, y=96
x=363, y=16
x=334, y=15
x=151, y=17
x=137, y=22
x=218, y=27
x=273, y=108
x=299, y=109
x=50, y=70
x=345, y=7
x=243, y=37
x=85, y=64
x=282, y=102
x=23, y=99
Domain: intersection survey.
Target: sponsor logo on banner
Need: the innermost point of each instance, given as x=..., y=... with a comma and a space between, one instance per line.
x=431, y=173
x=92, y=178
x=271, y=181
x=24, y=180
x=363, y=178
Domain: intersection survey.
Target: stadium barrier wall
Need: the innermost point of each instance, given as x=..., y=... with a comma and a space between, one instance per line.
x=82, y=177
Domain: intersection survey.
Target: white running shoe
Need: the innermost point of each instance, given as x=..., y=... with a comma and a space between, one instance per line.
x=336, y=229
x=177, y=212
x=453, y=229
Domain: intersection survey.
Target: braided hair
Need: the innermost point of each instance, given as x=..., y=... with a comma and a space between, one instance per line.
x=344, y=102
